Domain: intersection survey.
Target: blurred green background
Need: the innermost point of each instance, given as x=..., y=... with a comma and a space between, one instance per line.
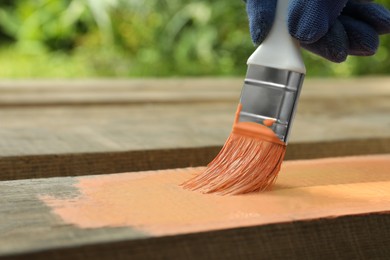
x=133, y=38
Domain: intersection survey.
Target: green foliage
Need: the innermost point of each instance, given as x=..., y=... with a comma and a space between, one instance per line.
x=184, y=37
x=132, y=38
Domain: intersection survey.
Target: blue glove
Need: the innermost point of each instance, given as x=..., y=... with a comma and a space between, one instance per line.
x=332, y=29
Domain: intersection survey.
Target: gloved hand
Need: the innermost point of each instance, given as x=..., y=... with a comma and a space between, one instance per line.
x=332, y=29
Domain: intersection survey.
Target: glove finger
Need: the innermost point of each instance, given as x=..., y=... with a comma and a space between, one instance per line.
x=377, y=16
x=308, y=21
x=333, y=45
x=261, y=14
x=363, y=39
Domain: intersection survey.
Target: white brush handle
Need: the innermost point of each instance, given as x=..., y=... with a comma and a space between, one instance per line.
x=279, y=50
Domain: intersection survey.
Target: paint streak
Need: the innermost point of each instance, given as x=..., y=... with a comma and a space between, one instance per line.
x=254, y=130
x=269, y=122
x=153, y=202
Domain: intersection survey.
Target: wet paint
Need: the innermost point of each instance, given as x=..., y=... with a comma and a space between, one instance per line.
x=153, y=202
x=269, y=122
x=255, y=130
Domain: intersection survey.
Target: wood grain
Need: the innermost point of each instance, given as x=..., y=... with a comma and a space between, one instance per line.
x=63, y=128
x=77, y=164
x=320, y=208
x=83, y=127
x=17, y=93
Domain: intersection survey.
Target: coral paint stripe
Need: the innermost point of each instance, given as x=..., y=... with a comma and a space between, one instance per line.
x=153, y=202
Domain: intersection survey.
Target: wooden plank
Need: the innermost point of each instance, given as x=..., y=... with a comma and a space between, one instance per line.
x=114, y=92
x=77, y=164
x=48, y=128
x=37, y=131
x=15, y=93
x=322, y=208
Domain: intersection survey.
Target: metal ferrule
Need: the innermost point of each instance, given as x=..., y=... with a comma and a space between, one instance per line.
x=270, y=93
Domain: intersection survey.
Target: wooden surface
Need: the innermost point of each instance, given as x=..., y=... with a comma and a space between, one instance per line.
x=323, y=208
x=47, y=127
x=73, y=128
x=76, y=164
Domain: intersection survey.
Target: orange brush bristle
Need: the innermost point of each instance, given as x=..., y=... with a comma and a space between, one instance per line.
x=249, y=161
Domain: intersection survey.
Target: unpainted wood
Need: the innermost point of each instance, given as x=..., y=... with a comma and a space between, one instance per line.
x=16, y=93
x=78, y=164
x=59, y=128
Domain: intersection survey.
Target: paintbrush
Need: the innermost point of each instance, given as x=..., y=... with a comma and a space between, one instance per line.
x=251, y=158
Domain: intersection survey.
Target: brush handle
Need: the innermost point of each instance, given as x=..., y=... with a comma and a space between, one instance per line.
x=279, y=50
